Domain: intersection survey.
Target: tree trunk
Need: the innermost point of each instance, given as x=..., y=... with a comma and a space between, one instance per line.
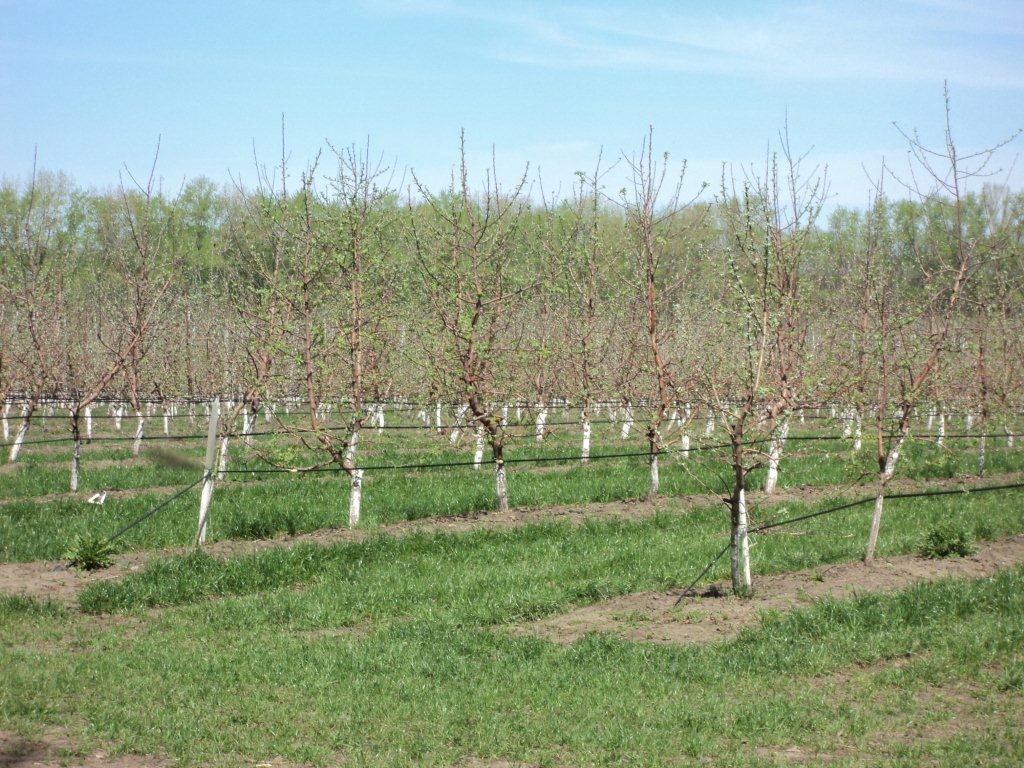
x=139, y=429
x=222, y=459
x=5, y=421
x=775, y=455
x=585, y=447
x=355, y=497
x=884, y=476
x=350, y=448
x=19, y=438
x=627, y=422
x=500, y=483
x=652, y=439
x=740, y=542
x=542, y=419
x=76, y=452
x=478, y=453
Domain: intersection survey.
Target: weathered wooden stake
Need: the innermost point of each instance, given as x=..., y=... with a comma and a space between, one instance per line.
x=208, y=474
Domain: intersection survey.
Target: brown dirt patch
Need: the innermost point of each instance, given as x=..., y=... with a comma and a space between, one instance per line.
x=53, y=749
x=716, y=615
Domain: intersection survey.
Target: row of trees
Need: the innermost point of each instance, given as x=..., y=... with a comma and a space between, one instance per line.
x=736, y=302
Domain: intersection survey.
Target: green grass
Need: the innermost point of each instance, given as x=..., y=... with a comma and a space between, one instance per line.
x=435, y=690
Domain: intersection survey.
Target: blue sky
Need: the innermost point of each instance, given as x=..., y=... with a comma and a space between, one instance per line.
x=93, y=84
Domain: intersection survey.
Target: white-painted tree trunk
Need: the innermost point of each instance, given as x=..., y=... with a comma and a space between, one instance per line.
x=709, y=427
x=4, y=419
x=542, y=419
x=627, y=422
x=76, y=463
x=350, y=449
x=585, y=447
x=684, y=443
x=931, y=419
x=1009, y=437
x=741, y=547
x=167, y=422
x=456, y=433
x=478, y=453
x=774, y=456
x=501, y=486
x=140, y=428
x=941, y=440
x=969, y=421
x=118, y=415
x=248, y=421
x=437, y=417
x=222, y=458
x=19, y=438
x=655, y=477
x=355, y=497
x=982, y=445
x=858, y=432
x=848, y=424
x=883, y=480
x=88, y=422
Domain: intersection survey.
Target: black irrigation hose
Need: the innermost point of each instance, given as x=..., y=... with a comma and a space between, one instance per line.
x=848, y=505
x=166, y=502
x=522, y=460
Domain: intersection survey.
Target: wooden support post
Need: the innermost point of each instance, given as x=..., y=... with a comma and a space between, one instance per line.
x=208, y=472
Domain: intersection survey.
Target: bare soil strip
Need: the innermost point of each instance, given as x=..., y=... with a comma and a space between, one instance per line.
x=717, y=615
x=53, y=749
x=55, y=581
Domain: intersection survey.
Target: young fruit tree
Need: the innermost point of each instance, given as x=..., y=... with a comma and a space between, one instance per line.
x=911, y=315
x=754, y=372
x=466, y=249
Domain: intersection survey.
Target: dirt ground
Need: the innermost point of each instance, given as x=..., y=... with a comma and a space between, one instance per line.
x=714, y=614
x=53, y=749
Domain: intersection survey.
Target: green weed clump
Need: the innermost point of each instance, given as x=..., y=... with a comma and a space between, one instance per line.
x=948, y=538
x=90, y=553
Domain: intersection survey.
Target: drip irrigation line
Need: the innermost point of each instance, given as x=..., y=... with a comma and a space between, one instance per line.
x=141, y=519
x=842, y=507
x=365, y=429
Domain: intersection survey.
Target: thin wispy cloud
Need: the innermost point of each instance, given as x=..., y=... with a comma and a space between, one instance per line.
x=911, y=41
